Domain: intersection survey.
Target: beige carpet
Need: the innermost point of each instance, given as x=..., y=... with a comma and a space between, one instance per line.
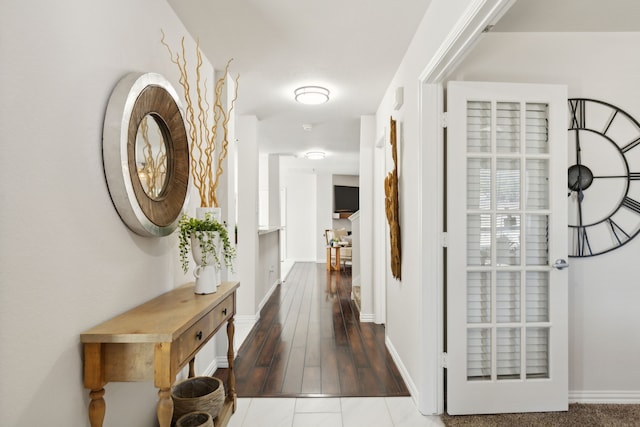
x=583, y=415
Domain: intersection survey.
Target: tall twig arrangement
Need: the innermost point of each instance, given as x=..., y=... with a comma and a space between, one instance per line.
x=204, y=134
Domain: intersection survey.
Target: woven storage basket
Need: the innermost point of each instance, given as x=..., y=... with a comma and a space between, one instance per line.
x=197, y=394
x=195, y=419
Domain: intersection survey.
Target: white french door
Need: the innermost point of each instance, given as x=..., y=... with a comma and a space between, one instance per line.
x=507, y=240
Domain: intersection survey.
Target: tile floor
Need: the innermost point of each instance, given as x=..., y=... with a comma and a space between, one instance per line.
x=330, y=412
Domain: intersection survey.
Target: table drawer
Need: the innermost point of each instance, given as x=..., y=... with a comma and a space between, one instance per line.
x=201, y=331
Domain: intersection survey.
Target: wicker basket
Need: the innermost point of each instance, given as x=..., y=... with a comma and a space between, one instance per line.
x=198, y=394
x=195, y=419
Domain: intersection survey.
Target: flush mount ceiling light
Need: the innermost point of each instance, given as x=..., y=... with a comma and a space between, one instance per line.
x=315, y=155
x=312, y=95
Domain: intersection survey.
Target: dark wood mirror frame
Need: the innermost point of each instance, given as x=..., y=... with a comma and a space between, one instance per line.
x=136, y=96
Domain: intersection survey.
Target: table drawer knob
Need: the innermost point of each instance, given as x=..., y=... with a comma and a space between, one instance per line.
x=224, y=311
x=199, y=335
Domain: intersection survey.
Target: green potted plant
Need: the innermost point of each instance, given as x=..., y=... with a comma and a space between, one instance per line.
x=200, y=231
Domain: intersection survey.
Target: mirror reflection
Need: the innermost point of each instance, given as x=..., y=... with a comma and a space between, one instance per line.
x=151, y=157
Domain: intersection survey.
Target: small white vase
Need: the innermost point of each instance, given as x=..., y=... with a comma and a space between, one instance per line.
x=207, y=275
x=207, y=279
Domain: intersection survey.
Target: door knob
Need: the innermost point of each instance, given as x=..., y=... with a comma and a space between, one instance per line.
x=560, y=264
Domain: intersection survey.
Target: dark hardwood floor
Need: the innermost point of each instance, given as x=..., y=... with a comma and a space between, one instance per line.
x=309, y=342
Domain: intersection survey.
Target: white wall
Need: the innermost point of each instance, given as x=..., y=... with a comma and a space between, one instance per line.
x=404, y=299
x=268, y=271
x=604, y=338
x=274, y=190
x=263, y=183
x=356, y=280
x=67, y=260
x=367, y=145
x=308, y=185
x=247, y=223
x=348, y=180
x=300, y=185
x=324, y=210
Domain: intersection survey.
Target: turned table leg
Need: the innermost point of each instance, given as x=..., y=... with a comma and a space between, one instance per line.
x=192, y=370
x=231, y=378
x=164, y=378
x=94, y=381
x=97, y=407
x=165, y=407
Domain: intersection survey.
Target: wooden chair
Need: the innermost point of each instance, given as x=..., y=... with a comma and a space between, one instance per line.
x=345, y=249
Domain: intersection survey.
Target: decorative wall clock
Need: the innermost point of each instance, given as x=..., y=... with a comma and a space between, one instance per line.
x=604, y=177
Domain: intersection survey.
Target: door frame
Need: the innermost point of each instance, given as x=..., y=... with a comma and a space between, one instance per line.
x=459, y=42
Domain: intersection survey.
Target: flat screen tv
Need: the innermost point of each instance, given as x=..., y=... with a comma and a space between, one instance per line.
x=346, y=199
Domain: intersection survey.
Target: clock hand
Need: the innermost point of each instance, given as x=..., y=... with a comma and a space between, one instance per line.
x=580, y=222
x=578, y=162
x=578, y=149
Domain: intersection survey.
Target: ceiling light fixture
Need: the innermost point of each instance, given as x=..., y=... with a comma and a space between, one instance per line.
x=312, y=95
x=315, y=155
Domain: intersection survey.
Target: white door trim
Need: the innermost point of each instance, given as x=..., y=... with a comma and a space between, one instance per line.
x=460, y=41
x=380, y=226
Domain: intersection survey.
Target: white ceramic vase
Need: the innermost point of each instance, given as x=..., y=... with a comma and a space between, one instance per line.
x=208, y=276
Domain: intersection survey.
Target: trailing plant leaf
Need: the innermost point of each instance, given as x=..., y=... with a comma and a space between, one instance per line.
x=201, y=229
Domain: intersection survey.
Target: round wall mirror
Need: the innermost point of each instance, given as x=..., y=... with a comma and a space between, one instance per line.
x=151, y=157
x=146, y=154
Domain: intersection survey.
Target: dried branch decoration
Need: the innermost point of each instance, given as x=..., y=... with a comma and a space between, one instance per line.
x=203, y=133
x=392, y=206
x=152, y=168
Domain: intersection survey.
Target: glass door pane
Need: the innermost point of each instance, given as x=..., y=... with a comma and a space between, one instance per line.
x=507, y=241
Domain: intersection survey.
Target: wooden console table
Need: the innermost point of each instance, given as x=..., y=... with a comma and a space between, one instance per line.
x=154, y=341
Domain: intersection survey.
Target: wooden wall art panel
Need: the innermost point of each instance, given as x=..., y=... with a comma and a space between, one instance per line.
x=391, y=205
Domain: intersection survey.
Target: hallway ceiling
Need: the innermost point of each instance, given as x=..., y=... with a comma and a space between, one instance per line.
x=352, y=47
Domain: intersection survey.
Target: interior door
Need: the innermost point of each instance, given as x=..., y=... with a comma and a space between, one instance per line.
x=507, y=228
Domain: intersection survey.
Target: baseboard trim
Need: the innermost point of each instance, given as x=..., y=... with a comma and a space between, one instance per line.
x=355, y=281
x=267, y=296
x=403, y=369
x=286, y=267
x=604, y=396
x=246, y=319
x=244, y=324
x=221, y=362
x=367, y=317
x=211, y=369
